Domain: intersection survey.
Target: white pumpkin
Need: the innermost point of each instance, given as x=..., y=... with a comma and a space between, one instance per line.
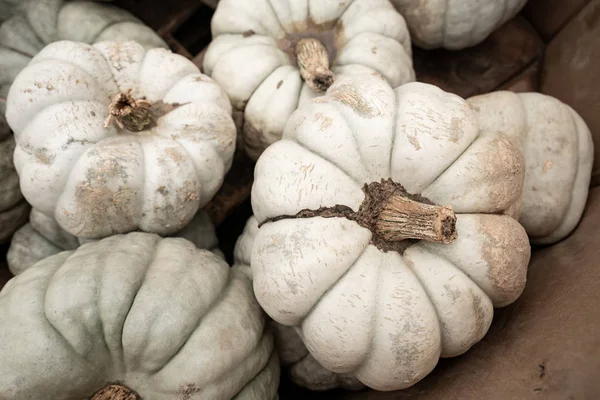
x=303, y=369
x=559, y=156
x=272, y=56
x=41, y=22
x=112, y=138
x=455, y=24
x=42, y=237
x=383, y=238
x=13, y=208
x=157, y=316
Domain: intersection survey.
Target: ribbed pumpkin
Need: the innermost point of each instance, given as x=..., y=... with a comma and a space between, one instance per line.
x=113, y=138
x=272, y=56
x=387, y=232
x=134, y=315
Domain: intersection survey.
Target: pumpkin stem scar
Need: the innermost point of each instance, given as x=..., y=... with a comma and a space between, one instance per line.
x=129, y=113
x=313, y=62
x=395, y=217
x=115, y=391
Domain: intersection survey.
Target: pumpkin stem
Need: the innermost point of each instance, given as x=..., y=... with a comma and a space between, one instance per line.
x=115, y=392
x=402, y=218
x=129, y=113
x=313, y=62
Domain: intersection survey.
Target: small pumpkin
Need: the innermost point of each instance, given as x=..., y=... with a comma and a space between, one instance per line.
x=272, y=56
x=39, y=23
x=455, y=24
x=386, y=233
x=42, y=237
x=137, y=315
x=559, y=156
x=112, y=138
x=13, y=208
x=303, y=369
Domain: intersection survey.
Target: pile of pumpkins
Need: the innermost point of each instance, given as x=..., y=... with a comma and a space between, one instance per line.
x=390, y=217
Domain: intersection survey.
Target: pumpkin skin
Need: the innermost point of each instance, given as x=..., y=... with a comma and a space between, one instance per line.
x=252, y=54
x=42, y=237
x=303, y=369
x=99, y=180
x=157, y=315
x=381, y=315
x=559, y=155
x=42, y=22
x=13, y=208
x=455, y=24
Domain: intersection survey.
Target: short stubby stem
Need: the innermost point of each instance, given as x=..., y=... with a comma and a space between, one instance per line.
x=402, y=218
x=313, y=62
x=129, y=113
x=115, y=392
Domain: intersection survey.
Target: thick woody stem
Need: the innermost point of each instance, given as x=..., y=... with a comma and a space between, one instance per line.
x=402, y=218
x=129, y=113
x=313, y=62
x=115, y=392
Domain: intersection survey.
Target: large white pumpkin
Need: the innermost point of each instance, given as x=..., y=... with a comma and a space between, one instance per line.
x=559, y=156
x=383, y=238
x=112, y=138
x=302, y=367
x=455, y=24
x=13, y=208
x=271, y=56
x=42, y=237
x=157, y=316
x=41, y=22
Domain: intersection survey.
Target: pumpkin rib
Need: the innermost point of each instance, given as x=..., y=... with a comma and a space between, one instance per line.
x=327, y=159
x=133, y=300
x=574, y=213
x=210, y=308
x=324, y=294
x=272, y=364
x=45, y=310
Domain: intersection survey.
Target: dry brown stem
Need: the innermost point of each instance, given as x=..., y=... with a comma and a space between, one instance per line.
x=313, y=62
x=115, y=392
x=129, y=113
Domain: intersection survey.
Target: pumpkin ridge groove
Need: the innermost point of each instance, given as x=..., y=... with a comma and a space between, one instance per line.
x=261, y=370
x=327, y=160
x=54, y=328
x=218, y=299
x=110, y=25
x=261, y=82
x=142, y=281
x=322, y=296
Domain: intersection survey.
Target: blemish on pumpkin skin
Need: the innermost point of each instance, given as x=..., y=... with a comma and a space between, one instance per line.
x=351, y=97
x=187, y=391
x=174, y=154
x=547, y=165
x=453, y=293
x=279, y=84
x=325, y=121
x=415, y=143
x=248, y=33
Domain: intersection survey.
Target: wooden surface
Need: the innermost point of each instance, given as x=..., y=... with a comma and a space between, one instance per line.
x=550, y=16
x=571, y=71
